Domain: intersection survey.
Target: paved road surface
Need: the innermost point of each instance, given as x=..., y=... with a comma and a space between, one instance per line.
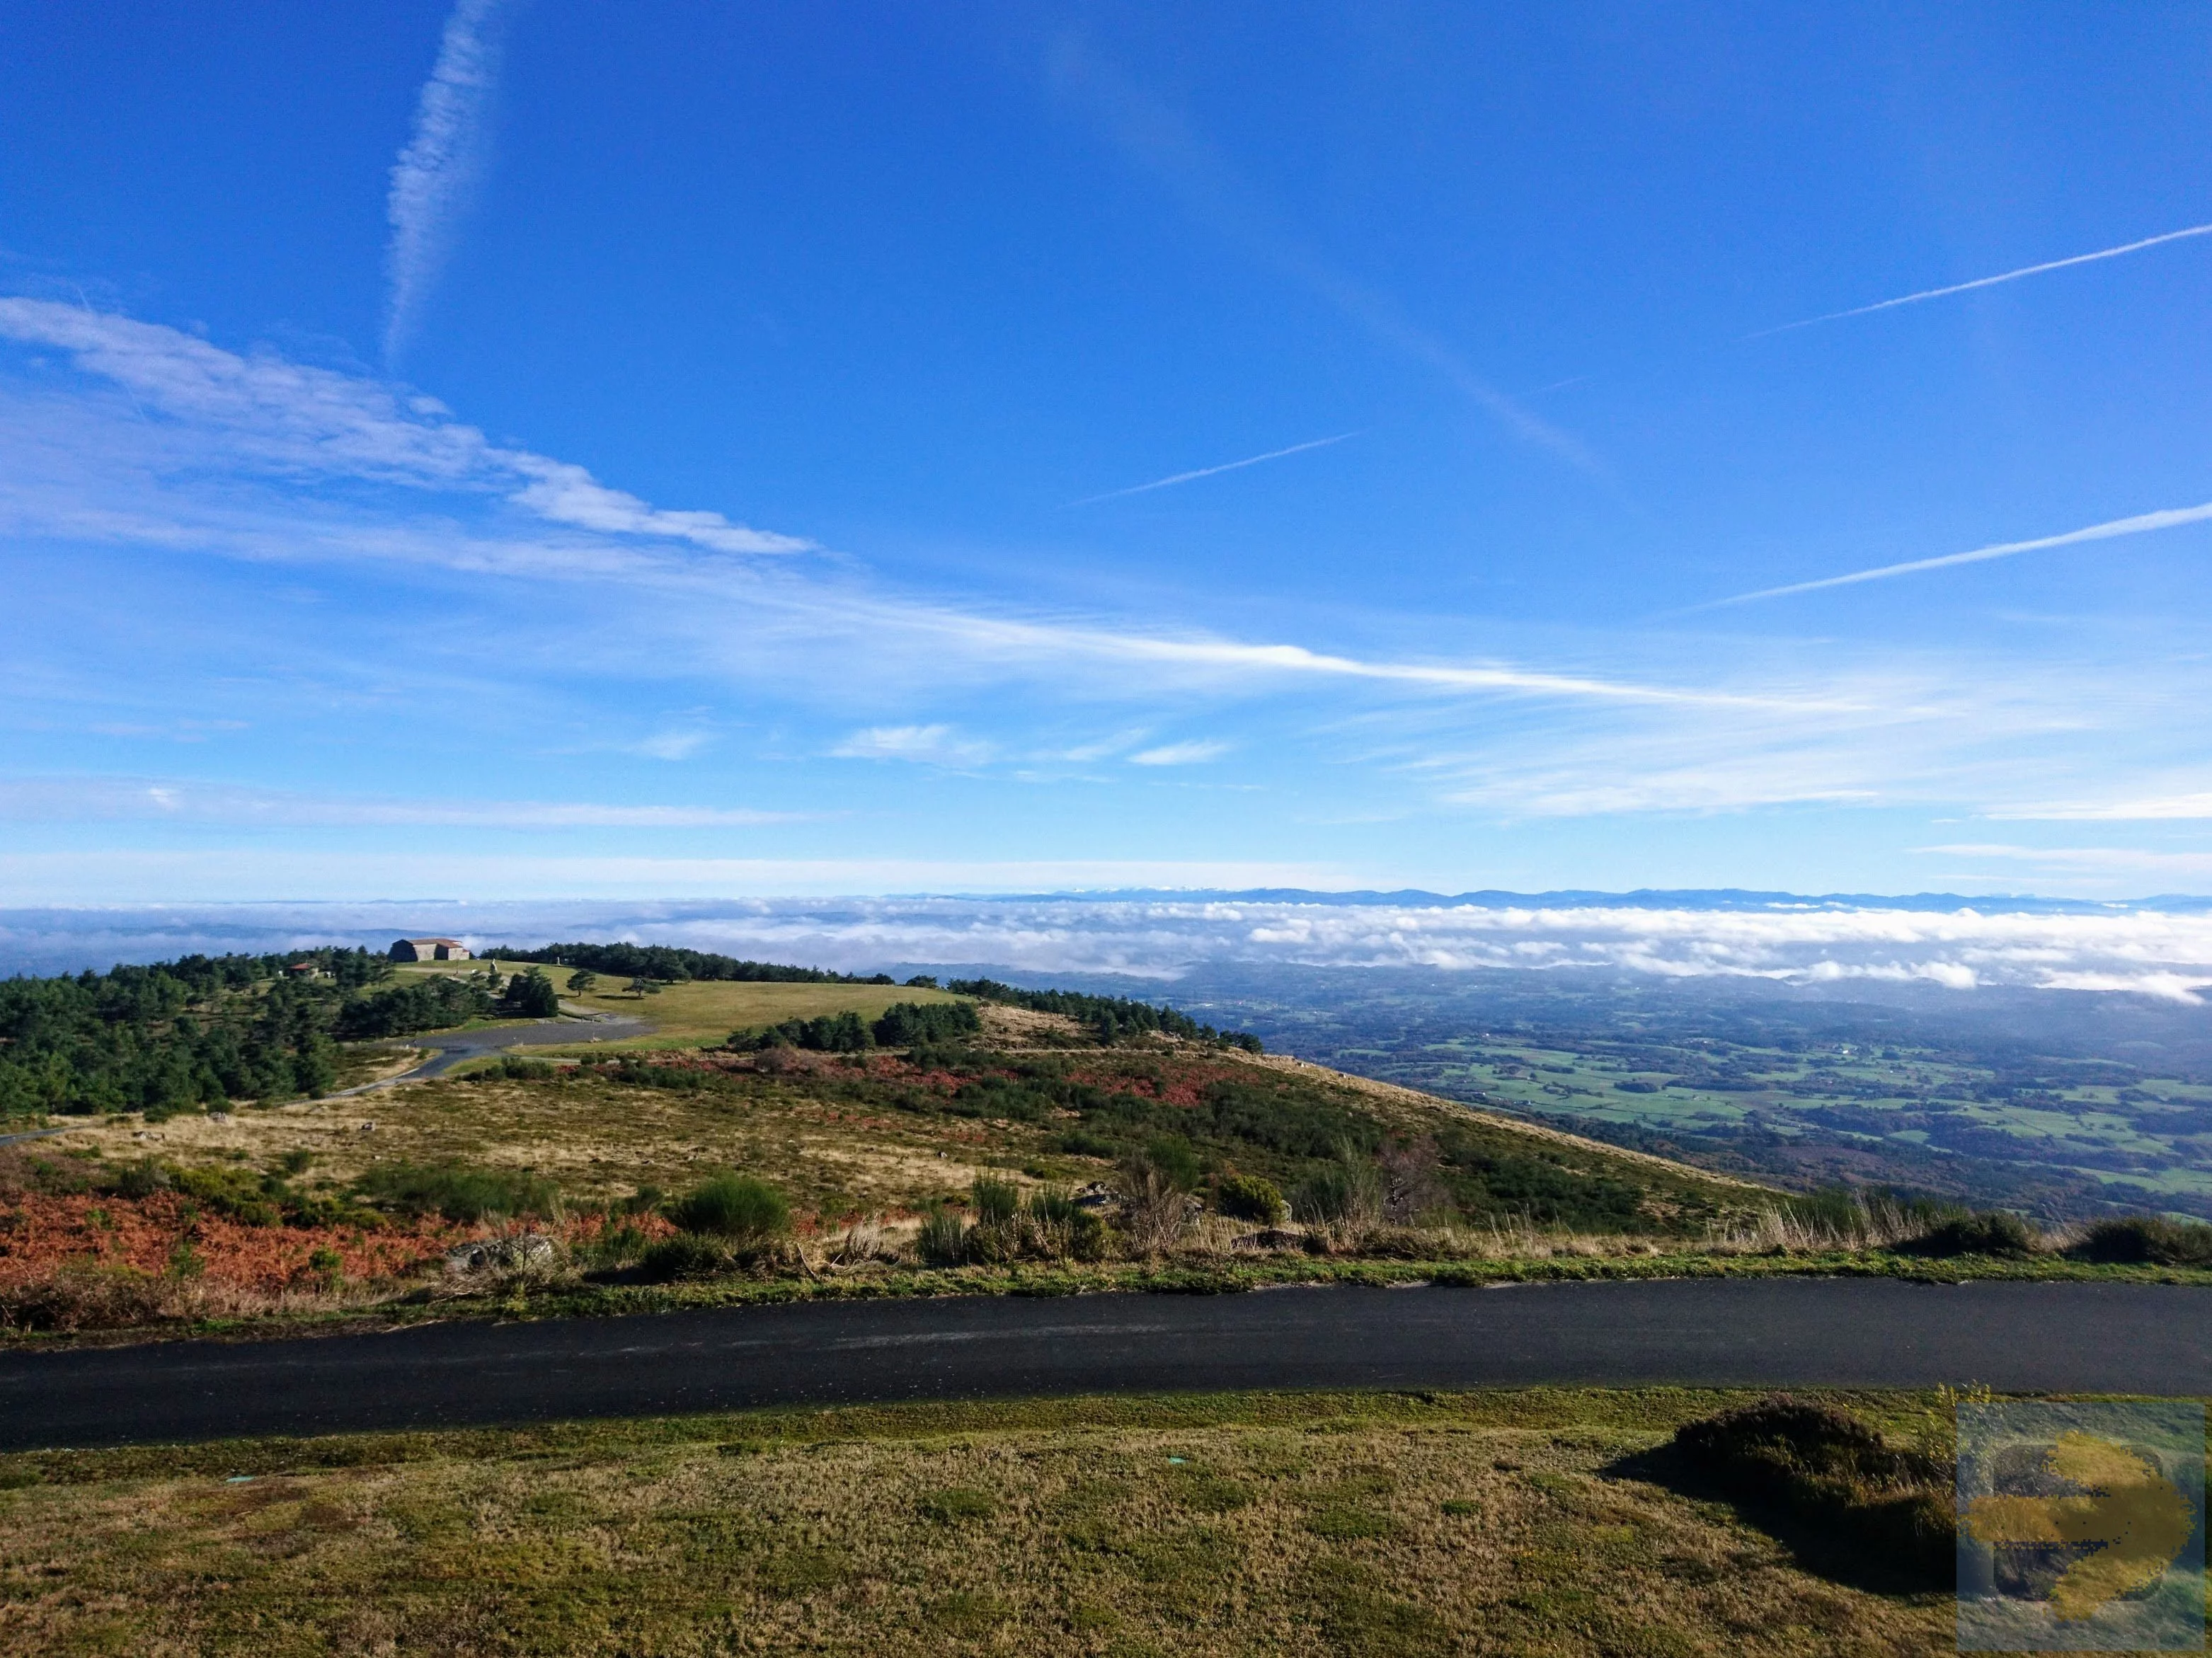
x=448, y=1048
x=2028, y=1337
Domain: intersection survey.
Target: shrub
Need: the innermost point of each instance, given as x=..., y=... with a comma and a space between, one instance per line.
x=1347, y=1194
x=616, y=1246
x=141, y=1179
x=1155, y=1209
x=687, y=1254
x=996, y=1200
x=1836, y=1474
x=87, y=1295
x=736, y=1207
x=1248, y=1197
x=1054, y=1224
x=943, y=1240
x=2147, y=1238
x=1176, y=1160
x=517, y=1069
x=460, y=1193
x=1991, y=1232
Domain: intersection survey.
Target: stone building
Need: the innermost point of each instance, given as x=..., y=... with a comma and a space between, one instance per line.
x=430, y=949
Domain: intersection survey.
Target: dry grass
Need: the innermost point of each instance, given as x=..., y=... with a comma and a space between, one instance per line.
x=603, y=1141
x=1474, y=1524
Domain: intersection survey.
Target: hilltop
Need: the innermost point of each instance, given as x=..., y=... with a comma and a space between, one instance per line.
x=779, y=1133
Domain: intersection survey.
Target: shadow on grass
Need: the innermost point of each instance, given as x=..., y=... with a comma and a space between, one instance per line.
x=1824, y=1487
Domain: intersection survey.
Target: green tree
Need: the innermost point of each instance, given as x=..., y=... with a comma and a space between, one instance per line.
x=530, y=995
x=583, y=981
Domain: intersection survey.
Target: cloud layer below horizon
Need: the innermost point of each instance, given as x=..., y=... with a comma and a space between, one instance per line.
x=2166, y=955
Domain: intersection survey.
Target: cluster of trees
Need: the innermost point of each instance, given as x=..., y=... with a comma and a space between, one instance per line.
x=192, y=1034
x=905, y=1024
x=177, y=1036
x=668, y=964
x=441, y=1001
x=1112, y=1018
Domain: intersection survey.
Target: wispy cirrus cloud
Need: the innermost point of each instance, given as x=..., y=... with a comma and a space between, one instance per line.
x=2184, y=804
x=298, y=423
x=438, y=173
x=300, y=427
x=933, y=745
x=257, y=459
x=174, y=800
x=1212, y=471
x=1180, y=753
x=1927, y=294
x=2141, y=524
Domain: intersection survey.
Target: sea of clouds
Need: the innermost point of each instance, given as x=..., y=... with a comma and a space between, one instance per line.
x=2158, y=950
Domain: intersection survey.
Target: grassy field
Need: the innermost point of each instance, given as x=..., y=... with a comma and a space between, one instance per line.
x=2098, y=1123
x=702, y=1010
x=1530, y=1522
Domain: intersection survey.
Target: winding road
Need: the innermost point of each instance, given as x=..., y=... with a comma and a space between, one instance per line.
x=1772, y=1332
x=447, y=1048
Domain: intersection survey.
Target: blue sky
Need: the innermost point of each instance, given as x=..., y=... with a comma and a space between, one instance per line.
x=548, y=450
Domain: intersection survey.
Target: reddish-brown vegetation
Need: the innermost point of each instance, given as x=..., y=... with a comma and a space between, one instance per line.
x=42, y=1231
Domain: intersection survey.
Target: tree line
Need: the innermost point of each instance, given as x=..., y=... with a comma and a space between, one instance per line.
x=669, y=964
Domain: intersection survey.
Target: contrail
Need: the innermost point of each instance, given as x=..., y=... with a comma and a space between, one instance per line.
x=2142, y=524
x=1209, y=471
x=433, y=176
x=1990, y=281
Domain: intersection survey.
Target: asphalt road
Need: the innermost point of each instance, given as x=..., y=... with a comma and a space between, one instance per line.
x=447, y=1048
x=2024, y=1337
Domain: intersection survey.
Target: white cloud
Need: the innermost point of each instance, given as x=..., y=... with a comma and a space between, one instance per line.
x=1180, y=753
x=569, y=495
x=86, y=799
x=438, y=170
x=2156, y=809
x=2164, y=954
x=935, y=745
x=289, y=422
x=175, y=446
x=2141, y=524
x=674, y=744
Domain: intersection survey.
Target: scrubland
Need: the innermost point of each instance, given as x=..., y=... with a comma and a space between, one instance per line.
x=1025, y=1156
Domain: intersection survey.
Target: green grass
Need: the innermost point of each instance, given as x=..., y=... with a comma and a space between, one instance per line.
x=1361, y=1523
x=1875, y=1096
